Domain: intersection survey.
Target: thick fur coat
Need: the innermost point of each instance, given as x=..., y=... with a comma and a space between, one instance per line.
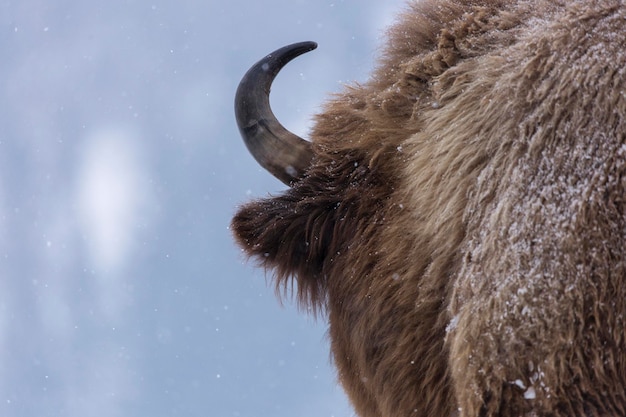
x=463, y=225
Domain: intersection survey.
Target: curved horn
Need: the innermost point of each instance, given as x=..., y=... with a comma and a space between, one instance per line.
x=282, y=153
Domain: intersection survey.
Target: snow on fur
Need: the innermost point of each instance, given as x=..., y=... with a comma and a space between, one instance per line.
x=463, y=225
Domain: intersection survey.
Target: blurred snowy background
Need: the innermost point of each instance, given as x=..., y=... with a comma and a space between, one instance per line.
x=121, y=291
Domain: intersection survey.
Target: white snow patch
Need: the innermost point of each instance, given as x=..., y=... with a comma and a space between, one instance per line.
x=291, y=171
x=453, y=323
x=530, y=394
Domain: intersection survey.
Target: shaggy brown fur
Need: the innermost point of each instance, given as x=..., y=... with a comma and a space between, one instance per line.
x=464, y=223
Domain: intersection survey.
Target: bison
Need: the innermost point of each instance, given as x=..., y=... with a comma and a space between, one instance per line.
x=460, y=218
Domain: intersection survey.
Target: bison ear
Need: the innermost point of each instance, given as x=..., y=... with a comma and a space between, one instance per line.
x=290, y=236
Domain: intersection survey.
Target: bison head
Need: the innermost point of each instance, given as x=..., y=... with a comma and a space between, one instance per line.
x=460, y=217
x=339, y=231
x=337, y=188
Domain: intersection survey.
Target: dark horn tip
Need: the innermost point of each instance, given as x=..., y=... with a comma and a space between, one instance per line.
x=283, y=154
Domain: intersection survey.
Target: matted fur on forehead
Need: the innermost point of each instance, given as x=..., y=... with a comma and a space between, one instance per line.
x=298, y=233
